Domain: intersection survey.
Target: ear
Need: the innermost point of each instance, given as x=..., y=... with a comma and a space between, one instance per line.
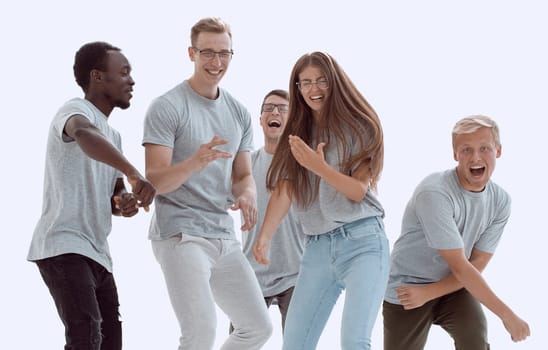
x=499, y=151
x=95, y=76
x=455, y=156
x=191, y=53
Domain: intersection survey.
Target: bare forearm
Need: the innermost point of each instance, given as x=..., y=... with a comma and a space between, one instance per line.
x=277, y=208
x=97, y=147
x=244, y=186
x=450, y=284
x=472, y=280
x=170, y=178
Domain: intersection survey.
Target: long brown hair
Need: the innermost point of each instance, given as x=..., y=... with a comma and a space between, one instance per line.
x=346, y=116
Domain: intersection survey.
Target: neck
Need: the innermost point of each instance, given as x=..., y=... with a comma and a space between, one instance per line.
x=208, y=91
x=270, y=144
x=104, y=106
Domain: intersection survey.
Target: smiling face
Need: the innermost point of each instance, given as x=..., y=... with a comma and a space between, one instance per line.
x=274, y=122
x=476, y=154
x=209, y=71
x=314, y=88
x=117, y=81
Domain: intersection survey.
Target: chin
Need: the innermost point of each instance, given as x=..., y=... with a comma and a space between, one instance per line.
x=123, y=104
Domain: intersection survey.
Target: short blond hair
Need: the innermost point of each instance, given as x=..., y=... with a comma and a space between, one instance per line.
x=472, y=123
x=211, y=25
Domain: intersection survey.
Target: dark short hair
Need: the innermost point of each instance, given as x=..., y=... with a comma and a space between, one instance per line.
x=90, y=56
x=277, y=92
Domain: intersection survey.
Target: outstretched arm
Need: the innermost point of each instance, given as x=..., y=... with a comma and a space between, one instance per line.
x=96, y=146
x=466, y=274
x=353, y=187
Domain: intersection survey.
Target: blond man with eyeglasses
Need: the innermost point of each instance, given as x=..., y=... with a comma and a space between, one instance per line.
x=197, y=140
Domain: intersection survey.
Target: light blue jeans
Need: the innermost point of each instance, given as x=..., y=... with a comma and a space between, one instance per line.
x=354, y=258
x=200, y=272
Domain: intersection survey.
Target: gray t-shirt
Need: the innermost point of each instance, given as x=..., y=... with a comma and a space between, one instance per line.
x=286, y=246
x=332, y=209
x=76, y=212
x=443, y=215
x=183, y=120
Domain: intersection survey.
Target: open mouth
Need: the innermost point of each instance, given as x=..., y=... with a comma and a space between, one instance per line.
x=274, y=123
x=477, y=170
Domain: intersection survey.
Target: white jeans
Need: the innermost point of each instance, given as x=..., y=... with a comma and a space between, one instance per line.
x=200, y=272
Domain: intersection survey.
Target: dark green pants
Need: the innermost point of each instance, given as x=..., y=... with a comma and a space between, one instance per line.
x=459, y=313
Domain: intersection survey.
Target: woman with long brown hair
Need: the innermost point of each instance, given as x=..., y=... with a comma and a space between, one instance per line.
x=329, y=168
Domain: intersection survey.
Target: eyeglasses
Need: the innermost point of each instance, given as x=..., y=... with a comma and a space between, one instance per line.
x=269, y=107
x=209, y=54
x=306, y=85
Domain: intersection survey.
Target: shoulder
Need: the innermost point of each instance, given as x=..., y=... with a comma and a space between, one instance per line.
x=233, y=102
x=435, y=181
x=435, y=187
x=255, y=155
x=78, y=106
x=169, y=98
x=499, y=194
x=260, y=157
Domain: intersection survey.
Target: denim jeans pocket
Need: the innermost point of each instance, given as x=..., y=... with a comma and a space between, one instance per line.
x=370, y=227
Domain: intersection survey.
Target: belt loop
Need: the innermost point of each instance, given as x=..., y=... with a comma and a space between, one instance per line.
x=343, y=232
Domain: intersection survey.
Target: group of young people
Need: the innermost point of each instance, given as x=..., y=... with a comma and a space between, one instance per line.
x=312, y=225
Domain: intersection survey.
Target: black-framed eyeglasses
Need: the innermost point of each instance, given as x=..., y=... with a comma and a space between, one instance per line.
x=209, y=54
x=306, y=85
x=269, y=107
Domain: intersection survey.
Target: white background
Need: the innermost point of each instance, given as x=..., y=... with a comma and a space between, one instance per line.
x=422, y=65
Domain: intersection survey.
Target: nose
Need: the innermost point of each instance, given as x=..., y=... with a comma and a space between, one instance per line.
x=476, y=156
x=217, y=59
x=131, y=81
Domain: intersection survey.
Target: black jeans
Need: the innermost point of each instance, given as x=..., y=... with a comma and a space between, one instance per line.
x=86, y=299
x=458, y=313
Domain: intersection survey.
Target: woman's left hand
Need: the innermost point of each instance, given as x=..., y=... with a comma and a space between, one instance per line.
x=311, y=159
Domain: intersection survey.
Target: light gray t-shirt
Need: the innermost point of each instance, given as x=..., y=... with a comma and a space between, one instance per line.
x=183, y=120
x=443, y=215
x=332, y=209
x=286, y=246
x=76, y=212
